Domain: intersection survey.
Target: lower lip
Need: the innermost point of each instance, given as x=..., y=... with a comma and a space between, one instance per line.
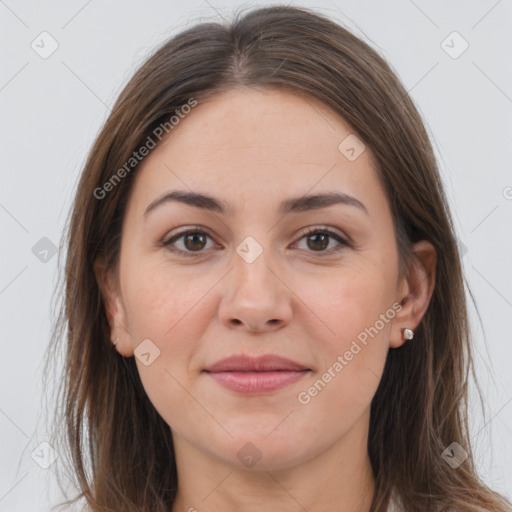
x=256, y=382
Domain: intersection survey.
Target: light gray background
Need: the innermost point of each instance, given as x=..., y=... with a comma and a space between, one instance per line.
x=51, y=110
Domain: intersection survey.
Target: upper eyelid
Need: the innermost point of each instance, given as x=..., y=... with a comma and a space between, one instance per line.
x=186, y=231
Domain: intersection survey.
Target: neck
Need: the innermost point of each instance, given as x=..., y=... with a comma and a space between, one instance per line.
x=340, y=478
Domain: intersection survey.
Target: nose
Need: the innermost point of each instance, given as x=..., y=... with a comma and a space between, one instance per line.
x=255, y=297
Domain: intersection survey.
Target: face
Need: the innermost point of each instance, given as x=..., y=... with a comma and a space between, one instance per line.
x=259, y=270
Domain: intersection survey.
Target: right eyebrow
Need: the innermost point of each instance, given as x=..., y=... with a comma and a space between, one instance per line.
x=190, y=198
x=317, y=201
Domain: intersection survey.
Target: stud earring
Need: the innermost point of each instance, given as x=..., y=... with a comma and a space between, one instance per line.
x=408, y=334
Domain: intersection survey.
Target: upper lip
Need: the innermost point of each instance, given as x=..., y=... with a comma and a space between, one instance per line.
x=265, y=363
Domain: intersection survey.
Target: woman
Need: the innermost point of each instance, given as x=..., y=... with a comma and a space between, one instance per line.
x=264, y=298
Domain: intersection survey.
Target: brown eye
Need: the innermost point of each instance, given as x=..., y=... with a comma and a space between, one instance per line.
x=318, y=241
x=194, y=241
x=188, y=242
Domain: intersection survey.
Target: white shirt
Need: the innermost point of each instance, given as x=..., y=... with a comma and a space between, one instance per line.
x=393, y=504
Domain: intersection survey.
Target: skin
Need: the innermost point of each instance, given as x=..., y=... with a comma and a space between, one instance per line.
x=253, y=148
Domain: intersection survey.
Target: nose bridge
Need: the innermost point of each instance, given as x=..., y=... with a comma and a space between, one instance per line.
x=254, y=272
x=255, y=296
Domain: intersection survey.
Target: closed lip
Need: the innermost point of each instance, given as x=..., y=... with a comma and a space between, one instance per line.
x=265, y=363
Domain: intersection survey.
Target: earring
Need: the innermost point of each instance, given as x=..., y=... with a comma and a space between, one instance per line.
x=408, y=334
x=114, y=342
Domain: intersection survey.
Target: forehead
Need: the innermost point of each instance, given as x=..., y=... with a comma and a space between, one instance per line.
x=255, y=144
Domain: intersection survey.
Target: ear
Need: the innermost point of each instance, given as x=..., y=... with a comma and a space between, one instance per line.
x=415, y=291
x=114, y=309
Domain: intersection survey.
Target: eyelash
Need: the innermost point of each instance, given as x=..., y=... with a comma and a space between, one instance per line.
x=310, y=231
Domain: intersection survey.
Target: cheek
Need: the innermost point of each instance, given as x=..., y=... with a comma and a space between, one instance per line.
x=161, y=303
x=352, y=339
x=169, y=309
x=348, y=300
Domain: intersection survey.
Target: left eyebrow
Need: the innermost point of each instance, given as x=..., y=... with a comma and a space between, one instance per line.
x=291, y=205
x=317, y=201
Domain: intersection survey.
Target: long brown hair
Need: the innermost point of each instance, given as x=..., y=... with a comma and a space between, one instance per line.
x=420, y=407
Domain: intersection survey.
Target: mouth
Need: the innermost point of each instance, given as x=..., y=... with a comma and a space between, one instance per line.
x=256, y=375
